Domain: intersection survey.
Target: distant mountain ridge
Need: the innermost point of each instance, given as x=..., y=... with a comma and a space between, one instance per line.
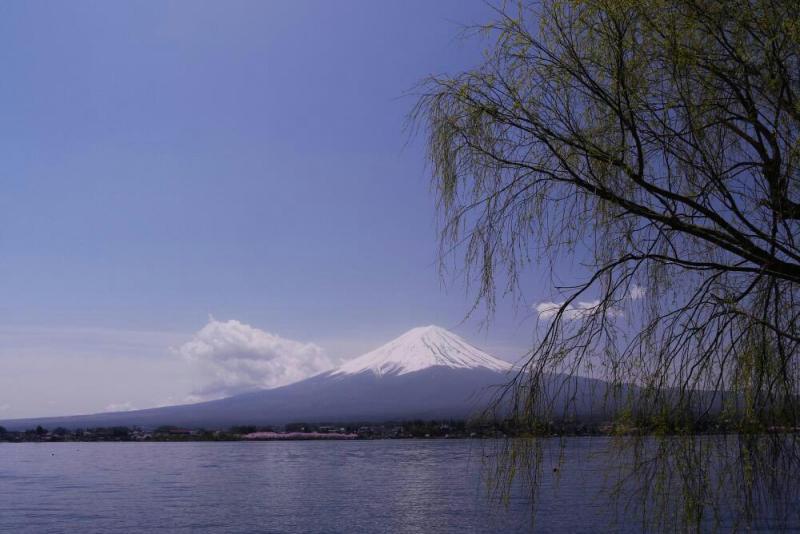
x=426, y=373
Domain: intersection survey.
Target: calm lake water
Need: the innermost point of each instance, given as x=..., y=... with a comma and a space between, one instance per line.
x=301, y=486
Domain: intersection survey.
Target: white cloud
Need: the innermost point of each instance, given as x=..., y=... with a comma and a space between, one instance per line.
x=237, y=357
x=636, y=292
x=578, y=310
x=120, y=407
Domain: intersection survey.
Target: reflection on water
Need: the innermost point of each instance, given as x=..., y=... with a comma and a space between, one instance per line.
x=663, y=484
x=728, y=482
x=342, y=486
x=571, y=484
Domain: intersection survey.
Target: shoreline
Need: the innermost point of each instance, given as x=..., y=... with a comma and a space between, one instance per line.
x=279, y=437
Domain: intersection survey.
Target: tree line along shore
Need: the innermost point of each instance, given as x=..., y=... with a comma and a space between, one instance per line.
x=420, y=429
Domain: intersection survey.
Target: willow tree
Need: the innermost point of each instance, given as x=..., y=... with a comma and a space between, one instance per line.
x=658, y=139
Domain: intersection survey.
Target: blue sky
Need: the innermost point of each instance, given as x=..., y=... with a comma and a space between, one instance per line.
x=164, y=161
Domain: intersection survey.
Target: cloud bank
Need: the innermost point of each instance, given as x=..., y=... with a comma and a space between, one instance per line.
x=584, y=309
x=120, y=407
x=636, y=292
x=235, y=357
x=579, y=310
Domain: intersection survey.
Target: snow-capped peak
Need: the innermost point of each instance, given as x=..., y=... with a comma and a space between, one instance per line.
x=420, y=348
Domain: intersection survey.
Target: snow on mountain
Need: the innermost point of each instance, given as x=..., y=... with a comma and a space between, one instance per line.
x=421, y=348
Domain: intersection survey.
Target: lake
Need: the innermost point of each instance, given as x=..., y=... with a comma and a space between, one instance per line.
x=415, y=486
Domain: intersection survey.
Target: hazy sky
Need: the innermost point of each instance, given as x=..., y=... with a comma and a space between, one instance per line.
x=165, y=162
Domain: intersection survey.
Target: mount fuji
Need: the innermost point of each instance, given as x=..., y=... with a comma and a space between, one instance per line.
x=419, y=349
x=426, y=373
